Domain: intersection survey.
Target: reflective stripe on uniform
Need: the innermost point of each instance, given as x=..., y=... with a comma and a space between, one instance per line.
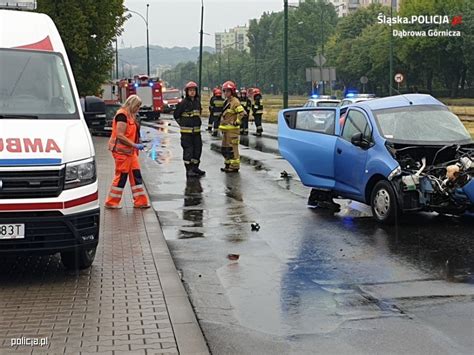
x=234, y=161
x=239, y=109
x=191, y=113
x=139, y=193
x=190, y=129
x=229, y=128
x=137, y=187
x=114, y=195
x=117, y=147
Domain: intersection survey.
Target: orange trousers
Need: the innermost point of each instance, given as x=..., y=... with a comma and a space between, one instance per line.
x=127, y=166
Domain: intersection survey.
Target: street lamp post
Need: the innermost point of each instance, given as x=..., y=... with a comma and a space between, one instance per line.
x=147, y=36
x=285, y=55
x=116, y=60
x=200, y=45
x=391, y=52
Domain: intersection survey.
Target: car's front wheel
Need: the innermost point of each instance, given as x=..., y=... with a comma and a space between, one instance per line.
x=78, y=260
x=384, y=203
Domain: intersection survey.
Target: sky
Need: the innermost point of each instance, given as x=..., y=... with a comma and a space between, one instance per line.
x=177, y=22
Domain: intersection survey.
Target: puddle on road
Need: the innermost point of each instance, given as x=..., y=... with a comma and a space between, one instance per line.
x=260, y=144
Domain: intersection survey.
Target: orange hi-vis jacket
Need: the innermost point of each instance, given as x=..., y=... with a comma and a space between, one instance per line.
x=115, y=146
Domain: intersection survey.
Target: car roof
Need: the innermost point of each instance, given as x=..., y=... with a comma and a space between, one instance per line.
x=399, y=101
x=325, y=100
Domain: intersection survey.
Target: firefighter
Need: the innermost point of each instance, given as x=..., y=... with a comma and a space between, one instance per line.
x=230, y=127
x=247, y=105
x=215, y=109
x=125, y=144
x=188, y=116
x=257, y=110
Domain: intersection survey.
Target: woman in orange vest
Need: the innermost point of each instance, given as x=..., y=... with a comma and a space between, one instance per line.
x=124, y=144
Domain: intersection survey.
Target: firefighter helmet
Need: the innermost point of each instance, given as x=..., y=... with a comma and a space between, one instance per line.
x=243, y=91
x=217, y=92
x=229, y=85
x=256, y=92
x=190, y=85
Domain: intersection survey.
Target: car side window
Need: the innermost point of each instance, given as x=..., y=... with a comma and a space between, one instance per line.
x=356, y=122
x=321, y=121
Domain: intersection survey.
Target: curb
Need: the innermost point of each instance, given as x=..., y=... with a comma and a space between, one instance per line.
x=187, y=332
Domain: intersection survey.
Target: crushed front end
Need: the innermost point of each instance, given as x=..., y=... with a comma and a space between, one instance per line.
x=434, y=178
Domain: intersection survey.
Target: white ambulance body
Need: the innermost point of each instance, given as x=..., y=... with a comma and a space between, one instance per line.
x=48, y=181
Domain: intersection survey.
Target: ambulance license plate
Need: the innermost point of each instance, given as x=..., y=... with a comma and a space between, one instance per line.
x=12, y=231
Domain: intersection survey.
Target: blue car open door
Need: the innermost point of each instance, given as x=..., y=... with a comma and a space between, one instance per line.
x=307, y=140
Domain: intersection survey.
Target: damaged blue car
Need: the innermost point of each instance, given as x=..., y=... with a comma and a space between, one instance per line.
x=397, y=154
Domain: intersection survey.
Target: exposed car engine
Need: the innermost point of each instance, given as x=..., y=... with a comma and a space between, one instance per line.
x=435, y=178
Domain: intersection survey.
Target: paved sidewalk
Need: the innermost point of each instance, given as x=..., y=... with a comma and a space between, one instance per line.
x=130, y=301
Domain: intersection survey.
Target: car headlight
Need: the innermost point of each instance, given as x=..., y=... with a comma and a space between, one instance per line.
x=397, y=171
x=80, y=173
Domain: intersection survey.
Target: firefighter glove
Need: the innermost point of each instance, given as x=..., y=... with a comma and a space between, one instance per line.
x=139, y=146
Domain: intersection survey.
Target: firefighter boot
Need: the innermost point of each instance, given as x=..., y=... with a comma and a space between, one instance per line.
x=226, y=168
x=198, y=171
x=190, y=173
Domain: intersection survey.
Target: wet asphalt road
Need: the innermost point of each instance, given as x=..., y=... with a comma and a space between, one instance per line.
x=307, y=281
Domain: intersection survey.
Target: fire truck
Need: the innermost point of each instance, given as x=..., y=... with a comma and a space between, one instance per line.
x=149, y=90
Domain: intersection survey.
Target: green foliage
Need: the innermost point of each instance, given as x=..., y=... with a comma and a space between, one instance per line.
x=357, y=45
x=77, y=20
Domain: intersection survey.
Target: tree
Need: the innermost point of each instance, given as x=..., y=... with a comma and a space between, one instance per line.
x=350, y=49
x=88, y=29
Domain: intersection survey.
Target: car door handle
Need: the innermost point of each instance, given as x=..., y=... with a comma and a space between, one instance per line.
x=339, y=151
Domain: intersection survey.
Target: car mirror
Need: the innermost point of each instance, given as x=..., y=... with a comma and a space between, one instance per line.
x=359, y=141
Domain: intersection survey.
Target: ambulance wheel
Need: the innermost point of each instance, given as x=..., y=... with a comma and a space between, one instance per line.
x=78, y=260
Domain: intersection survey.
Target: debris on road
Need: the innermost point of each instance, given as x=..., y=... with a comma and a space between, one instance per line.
x=233, y=256
x=255, y=227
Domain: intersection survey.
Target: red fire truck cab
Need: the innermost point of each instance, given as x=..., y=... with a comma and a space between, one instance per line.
x=149, y=90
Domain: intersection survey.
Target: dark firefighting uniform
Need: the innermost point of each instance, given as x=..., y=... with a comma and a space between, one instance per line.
x=230, y=127
x=188, y=116
x=247, y=105
x=257, y=110
x=216, y=106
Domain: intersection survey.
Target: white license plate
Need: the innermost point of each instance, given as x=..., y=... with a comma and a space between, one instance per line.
x=12, y=231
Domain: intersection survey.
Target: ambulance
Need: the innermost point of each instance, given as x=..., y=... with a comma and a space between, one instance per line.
x=49, y=201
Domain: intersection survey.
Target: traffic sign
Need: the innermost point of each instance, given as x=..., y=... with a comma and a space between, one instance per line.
x=364, y=80
x=319, y=60
x=399, y=77
x=321, y=74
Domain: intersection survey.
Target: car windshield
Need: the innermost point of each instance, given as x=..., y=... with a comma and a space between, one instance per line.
x=421, y=124
x=35, y=83
x=171, y=95
x=111, y=110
